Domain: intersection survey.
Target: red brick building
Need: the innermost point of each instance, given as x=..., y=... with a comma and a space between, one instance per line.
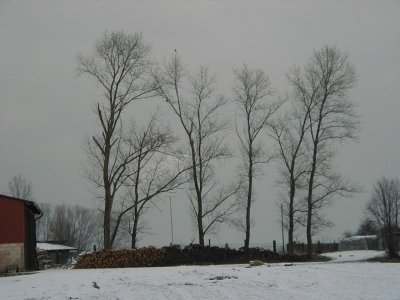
x=18, y=233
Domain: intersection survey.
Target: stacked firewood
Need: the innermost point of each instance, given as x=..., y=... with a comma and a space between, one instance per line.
x=175, y=256
x=44, y=261
x=123, y=258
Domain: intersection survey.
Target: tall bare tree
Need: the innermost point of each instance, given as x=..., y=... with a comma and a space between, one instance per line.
x=119, y=65
x=384, y=209
x=251, y=91
x=20, y=188
x=323, y=86
x=192, y=99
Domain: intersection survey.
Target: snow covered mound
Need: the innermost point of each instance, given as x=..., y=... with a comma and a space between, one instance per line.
x=356, y=255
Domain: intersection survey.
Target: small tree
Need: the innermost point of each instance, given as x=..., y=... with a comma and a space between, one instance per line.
x=384, y=209
x=368, y=227
x=251, y=93
x=288, y=134
x=155, y=171
x=20, y=188
x=43, y=223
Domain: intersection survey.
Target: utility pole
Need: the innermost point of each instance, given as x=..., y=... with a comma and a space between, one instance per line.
x=172, y=228
x=283, y=235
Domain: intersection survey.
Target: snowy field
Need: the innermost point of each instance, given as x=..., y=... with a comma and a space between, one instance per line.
x=328, y=280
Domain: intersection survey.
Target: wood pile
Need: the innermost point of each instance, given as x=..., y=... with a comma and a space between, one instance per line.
x=122, y=258
x=175, y=256
x=44, y=261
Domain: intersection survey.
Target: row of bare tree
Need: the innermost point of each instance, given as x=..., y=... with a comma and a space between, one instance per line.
x=132, y=165
x=74, y=226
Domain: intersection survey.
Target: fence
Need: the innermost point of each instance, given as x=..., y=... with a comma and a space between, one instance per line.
x=316, y=248
x=277, y=247
x=266, y=246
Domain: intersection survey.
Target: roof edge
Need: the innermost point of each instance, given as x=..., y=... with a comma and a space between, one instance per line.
x=30, y=204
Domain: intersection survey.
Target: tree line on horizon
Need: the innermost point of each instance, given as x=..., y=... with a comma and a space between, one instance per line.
x=80, y=227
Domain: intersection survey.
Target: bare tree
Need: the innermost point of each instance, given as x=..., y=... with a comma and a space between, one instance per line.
x=322, y=88
x=119, y=65
x=288, y=134
x=251, y=91
x=134, y=225
x=75, y=226
x=197, y=109
x=155, y=171
x=20, y=188
x=368, y=227
x=43, y=223
x=384, y=209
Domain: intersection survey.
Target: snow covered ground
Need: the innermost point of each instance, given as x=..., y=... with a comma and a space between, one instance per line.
x=327, y=280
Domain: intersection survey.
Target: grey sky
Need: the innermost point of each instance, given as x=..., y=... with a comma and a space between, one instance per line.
x=45, y=109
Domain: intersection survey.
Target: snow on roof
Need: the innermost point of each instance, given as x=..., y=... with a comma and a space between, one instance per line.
x=359, y=237
x=48, y=246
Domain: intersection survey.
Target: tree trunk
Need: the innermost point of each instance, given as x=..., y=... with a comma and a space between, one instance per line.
x=107, y=222
x=108, y=197
x=134, y=232
x=391, y=242
x=136, y=212
x=198, y=193
x=311, y=180
x=309, y=235
x=309, y=202
x=200, y=227
x=291, y=216
x=248, y=208
x=309, y=207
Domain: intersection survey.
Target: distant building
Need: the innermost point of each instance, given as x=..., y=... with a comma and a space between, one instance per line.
x=18, y=234
x=58, y=254
x=362, y=242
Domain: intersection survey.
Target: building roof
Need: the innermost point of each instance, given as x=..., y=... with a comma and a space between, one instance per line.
x=49, y=247
x=359, y=237
x=32, y=206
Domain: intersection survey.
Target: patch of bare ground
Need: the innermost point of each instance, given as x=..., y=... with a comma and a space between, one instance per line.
x=384, y=259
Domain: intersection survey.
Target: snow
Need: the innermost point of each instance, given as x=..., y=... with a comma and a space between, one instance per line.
x=326, y=280
x=359, y=237
x=48, y=246
x=356, y=255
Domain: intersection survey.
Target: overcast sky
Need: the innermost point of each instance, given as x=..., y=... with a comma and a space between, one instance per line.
x=46, y=110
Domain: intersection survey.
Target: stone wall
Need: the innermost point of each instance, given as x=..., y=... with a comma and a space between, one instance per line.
x=11, y=254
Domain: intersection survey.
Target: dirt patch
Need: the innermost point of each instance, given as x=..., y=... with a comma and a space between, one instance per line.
x=384, y=260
